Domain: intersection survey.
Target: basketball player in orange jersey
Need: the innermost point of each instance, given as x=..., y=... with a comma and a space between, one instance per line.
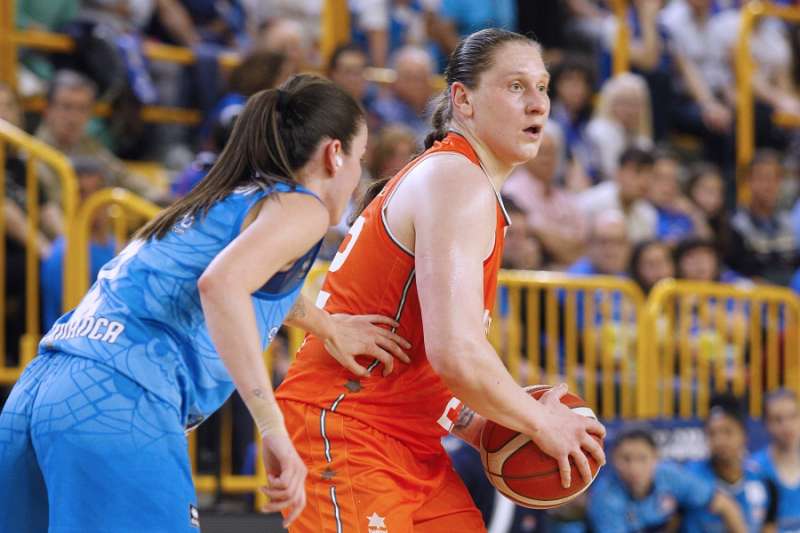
x=426, y=251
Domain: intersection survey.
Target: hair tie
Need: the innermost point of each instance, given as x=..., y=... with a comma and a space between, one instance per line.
x=283, y=100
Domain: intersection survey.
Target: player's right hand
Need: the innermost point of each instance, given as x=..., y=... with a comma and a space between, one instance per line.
x=362, y=335
x=286, y=474
x=563, y=435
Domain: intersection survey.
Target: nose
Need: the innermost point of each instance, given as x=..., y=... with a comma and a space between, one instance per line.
x=538, y=103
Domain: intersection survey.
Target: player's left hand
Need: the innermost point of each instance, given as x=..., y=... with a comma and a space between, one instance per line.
x=362, y=335
x=286, y=474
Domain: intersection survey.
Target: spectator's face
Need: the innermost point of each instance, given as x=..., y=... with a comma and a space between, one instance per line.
x=664, y=187
x=609, y=247
x=633, y=181
x=573, y=90
x=707, y=194
x=9, y=108
x=401, y=154
x=414, y=84
x=510, y=105
x=626, y=107
x=521, y=250
x=545, y=164
x=286, y=36
x=89, y=184
x=699, y=264
x=655, y=264
x=783, y=422
x=69, y=113
x=635, y=462
x=349, y=73
x=765, y=184
x=700, y=6
x=726, y=439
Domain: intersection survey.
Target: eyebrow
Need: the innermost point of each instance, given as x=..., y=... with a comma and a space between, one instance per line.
x=545, y=75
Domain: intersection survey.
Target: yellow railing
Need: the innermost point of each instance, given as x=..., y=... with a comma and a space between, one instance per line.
x=620, y=57
x=733, y=337
x=15, y=142
x=580, y=330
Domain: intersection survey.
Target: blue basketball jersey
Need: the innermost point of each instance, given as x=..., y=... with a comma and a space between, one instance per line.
x=749, y=492
x=143, y=317
x=788, y=497
x=613, y=509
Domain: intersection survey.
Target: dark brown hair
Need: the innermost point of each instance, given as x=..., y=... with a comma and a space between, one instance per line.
x=473, y=56
x=274, y=136
x=258, y=71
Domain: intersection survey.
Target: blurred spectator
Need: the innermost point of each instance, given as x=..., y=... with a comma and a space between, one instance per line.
x=70, y=103
x=626, y=193
x=455, y=19
x=763, y=241
x=347, y=69
x=651, y=261
x=641, y=493
x=677, y=216
x=219, y=22
x=726, y=434
x=779, y=463
x=704, y=102
x=609, y=248
x=622, y=120
x=698, y=260
x=407, y=100
x=393, y=147
x=287, y=37
x=573, y=84
x=552, y=214
x=522, y=250
x=383, y=26
x=304, y=15
x=705, y=189
x=91, y=178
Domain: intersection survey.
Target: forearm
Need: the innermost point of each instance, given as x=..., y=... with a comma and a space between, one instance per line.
x=378, y=47
x=695, y=84
x=563, y=246
x=310, y=318
x=645, y=53
x=177, y=21
x=729, y=511
x=232, y=325
x=468, y=426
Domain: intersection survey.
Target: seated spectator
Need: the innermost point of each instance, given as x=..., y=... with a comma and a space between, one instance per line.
x=763, y=244
x=704, y=101
x=608, y=247
x=455, y=19
x=700, y=260
x=382, y=27
x=677, y=216
x=626, y=193
x=622, y=120
x=393, y=147
x=286, y=36
x=522, y=250
x=572, y=87
x=346, y=68
x=642, y=493
x=777, y=464
x=70, y=103
x=651, y=261
x=726, y=435
x=706, y=191
x=407, y=100
x=552, y=214
x=91, y=178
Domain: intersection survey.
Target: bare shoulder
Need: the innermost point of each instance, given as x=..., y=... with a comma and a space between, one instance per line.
x=302, y=211
x=454, y=183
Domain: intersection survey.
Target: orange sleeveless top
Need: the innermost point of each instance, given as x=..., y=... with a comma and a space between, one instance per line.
x=374, y=274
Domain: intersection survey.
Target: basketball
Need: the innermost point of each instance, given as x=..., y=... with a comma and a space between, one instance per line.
x=521, y=471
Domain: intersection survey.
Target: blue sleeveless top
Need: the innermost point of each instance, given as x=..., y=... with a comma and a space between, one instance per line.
x=143, y=316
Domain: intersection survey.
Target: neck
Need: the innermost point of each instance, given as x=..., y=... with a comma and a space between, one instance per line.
x=699, y=15
x=497, y=170
x=761, y=210
x=729, y=471
x=786, y=454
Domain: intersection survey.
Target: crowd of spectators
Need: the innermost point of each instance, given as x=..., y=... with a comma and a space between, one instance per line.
x=636, y=174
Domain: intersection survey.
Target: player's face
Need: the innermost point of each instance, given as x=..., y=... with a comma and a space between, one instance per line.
x=783, y=422
x=726, y=439
x=347, y=176
x=635, y=462
x=511, y=104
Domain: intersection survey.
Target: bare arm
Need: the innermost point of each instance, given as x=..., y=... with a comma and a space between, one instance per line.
x=729, y=511
x=454, y=222
x=646, y=52
x=177, y=21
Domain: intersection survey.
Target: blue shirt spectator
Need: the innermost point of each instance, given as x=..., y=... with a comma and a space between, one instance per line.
x=787, y=496
x=673, y=225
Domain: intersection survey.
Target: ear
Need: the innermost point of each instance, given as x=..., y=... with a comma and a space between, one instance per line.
x=333, y=156
x=461, y=99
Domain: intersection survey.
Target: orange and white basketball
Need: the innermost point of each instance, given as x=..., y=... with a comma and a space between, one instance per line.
x=521, y=471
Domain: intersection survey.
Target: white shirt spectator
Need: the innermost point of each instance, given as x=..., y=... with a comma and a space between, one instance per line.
x=608, y=140
x=641, y=218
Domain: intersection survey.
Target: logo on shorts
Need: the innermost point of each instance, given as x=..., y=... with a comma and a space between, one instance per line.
x=194, y=516
x=377, y=524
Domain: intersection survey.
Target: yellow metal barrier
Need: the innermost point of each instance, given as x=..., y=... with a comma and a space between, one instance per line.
x=745, y=68
x=729, y=338
x=622, y=45
x=581, y=330
x=35, y=152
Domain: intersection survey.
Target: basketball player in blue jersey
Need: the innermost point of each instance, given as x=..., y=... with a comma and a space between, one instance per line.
x=779, y=463
x=92, y=436
x=728, y=469
x=642, y=494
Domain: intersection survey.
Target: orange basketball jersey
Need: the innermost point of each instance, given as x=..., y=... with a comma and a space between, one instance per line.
x=374, y=274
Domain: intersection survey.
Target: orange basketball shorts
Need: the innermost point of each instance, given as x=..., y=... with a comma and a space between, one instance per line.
x=363, y=481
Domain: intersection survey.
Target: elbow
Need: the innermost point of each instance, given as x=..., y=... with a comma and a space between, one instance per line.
x=208, y=284
x=452, y=359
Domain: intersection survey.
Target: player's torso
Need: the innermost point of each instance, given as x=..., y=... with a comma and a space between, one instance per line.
x=374, y=274
x=143, y=315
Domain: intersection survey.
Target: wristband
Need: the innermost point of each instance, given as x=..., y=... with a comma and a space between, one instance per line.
x=267, y=416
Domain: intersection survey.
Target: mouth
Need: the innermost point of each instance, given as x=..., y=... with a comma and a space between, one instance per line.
x=534, y=132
